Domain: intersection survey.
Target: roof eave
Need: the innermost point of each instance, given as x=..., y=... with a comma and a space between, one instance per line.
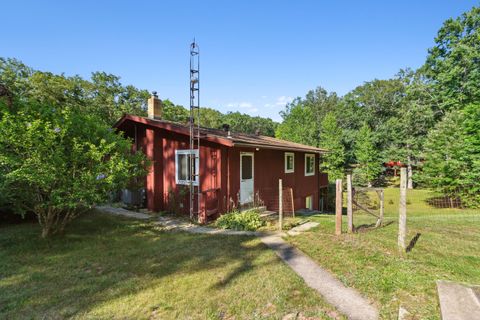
x=266, y=146
x=170, y=127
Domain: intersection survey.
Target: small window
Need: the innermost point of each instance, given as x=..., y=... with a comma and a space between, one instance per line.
x=289, y=162
x=247, y=166
x=308, y=203
x=183, y=168
x=309, y=164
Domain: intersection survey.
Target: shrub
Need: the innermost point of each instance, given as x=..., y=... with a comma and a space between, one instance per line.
x=58, y=162
x=247, y=220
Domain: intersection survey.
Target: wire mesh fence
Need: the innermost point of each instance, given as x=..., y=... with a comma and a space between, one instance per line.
x=419, y=201
x=270, y=198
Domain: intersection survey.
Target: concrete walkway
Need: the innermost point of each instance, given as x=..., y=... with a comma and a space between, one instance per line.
x=346, y=300
x=458, y=301
x=124, y=212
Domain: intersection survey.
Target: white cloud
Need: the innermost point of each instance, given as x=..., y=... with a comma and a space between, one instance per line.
x=279, y=103
x=243, y=105
x=283, y=100
x=248, y=106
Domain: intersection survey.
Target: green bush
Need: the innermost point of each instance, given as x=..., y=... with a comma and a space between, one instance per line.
x=247, y=220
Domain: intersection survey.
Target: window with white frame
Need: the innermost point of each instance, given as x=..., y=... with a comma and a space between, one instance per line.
x=309, y=164
x=183, y=166
x=289, y=162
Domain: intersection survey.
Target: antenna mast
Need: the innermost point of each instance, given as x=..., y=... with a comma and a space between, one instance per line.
x=194, y=124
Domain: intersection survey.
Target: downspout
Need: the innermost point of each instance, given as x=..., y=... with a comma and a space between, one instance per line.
x=228, y=179
x=318, y=182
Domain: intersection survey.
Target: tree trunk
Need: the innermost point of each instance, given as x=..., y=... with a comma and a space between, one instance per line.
x=46, y=231
x=409, y=173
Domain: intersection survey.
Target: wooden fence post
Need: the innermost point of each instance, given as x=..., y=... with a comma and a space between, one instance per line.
x=402, y=211
x=382, y=208
x=280, y=205
x=338, y=207
x=349, y=203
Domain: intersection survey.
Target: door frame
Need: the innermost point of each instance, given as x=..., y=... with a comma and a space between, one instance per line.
x=253, y=175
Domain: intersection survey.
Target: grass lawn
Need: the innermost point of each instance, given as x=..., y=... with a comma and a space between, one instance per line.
x=448, y=248
x=109, y=267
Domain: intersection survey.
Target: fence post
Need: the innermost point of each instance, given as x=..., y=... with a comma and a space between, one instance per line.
x=349, y=203
x=280, y=205
x=402, y=211
x=338, y=207
x=382, y=208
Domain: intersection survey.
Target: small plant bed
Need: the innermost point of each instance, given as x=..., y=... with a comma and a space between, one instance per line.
x=248, y=220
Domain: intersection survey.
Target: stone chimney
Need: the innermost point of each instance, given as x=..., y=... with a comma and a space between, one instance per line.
x=154, y=107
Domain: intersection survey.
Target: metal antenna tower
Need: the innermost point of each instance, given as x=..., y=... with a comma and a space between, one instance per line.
x=194, y=124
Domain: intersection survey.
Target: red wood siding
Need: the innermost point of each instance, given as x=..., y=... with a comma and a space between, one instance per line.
x=219, y=172
x=269, y=167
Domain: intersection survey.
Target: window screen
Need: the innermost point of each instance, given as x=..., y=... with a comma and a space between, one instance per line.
x=183, y=167
x=309, y=164
x=289, y=162
x=247, y=166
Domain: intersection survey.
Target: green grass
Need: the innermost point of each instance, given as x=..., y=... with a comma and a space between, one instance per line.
x=448, y=248
x=111, y=268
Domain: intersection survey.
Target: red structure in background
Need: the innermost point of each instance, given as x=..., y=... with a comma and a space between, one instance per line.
x=221, y=181
x=392, y=166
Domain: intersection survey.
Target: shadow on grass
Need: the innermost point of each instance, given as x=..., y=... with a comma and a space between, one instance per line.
x=103, y=258
x=369, y=227
x=413, y=242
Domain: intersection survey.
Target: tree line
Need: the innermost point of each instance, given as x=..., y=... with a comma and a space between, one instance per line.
x=104, y=96
x=59, y=155
x=428, y=119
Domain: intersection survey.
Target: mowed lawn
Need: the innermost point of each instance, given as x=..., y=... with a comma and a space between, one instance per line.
x=112, y=268
x=448, y=248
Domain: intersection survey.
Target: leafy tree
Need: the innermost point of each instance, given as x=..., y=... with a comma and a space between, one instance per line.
x=368, y=158
x=211, y=118
x=297, y=124
x=415, y=117
x=103, y=96
x=373, y=103
x=58, y=161
x=453, y=64
x=452, y=155
x=331, y=139
x=302, y=118
x=173, y=112
x=240, y=122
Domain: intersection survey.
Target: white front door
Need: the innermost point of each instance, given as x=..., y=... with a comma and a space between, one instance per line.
x=246, y=177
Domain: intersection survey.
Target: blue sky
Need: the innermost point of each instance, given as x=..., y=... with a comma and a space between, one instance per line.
x=255, y=55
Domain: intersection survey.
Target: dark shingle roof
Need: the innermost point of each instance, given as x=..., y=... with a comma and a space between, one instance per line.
x=221, y=136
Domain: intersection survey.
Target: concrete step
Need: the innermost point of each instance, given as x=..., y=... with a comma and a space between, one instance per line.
x=259, y=208
x=269, y=215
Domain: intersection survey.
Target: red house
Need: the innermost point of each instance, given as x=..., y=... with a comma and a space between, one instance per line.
x=234, y=169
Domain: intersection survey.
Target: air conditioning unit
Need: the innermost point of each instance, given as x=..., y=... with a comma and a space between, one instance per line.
x=133, y=197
